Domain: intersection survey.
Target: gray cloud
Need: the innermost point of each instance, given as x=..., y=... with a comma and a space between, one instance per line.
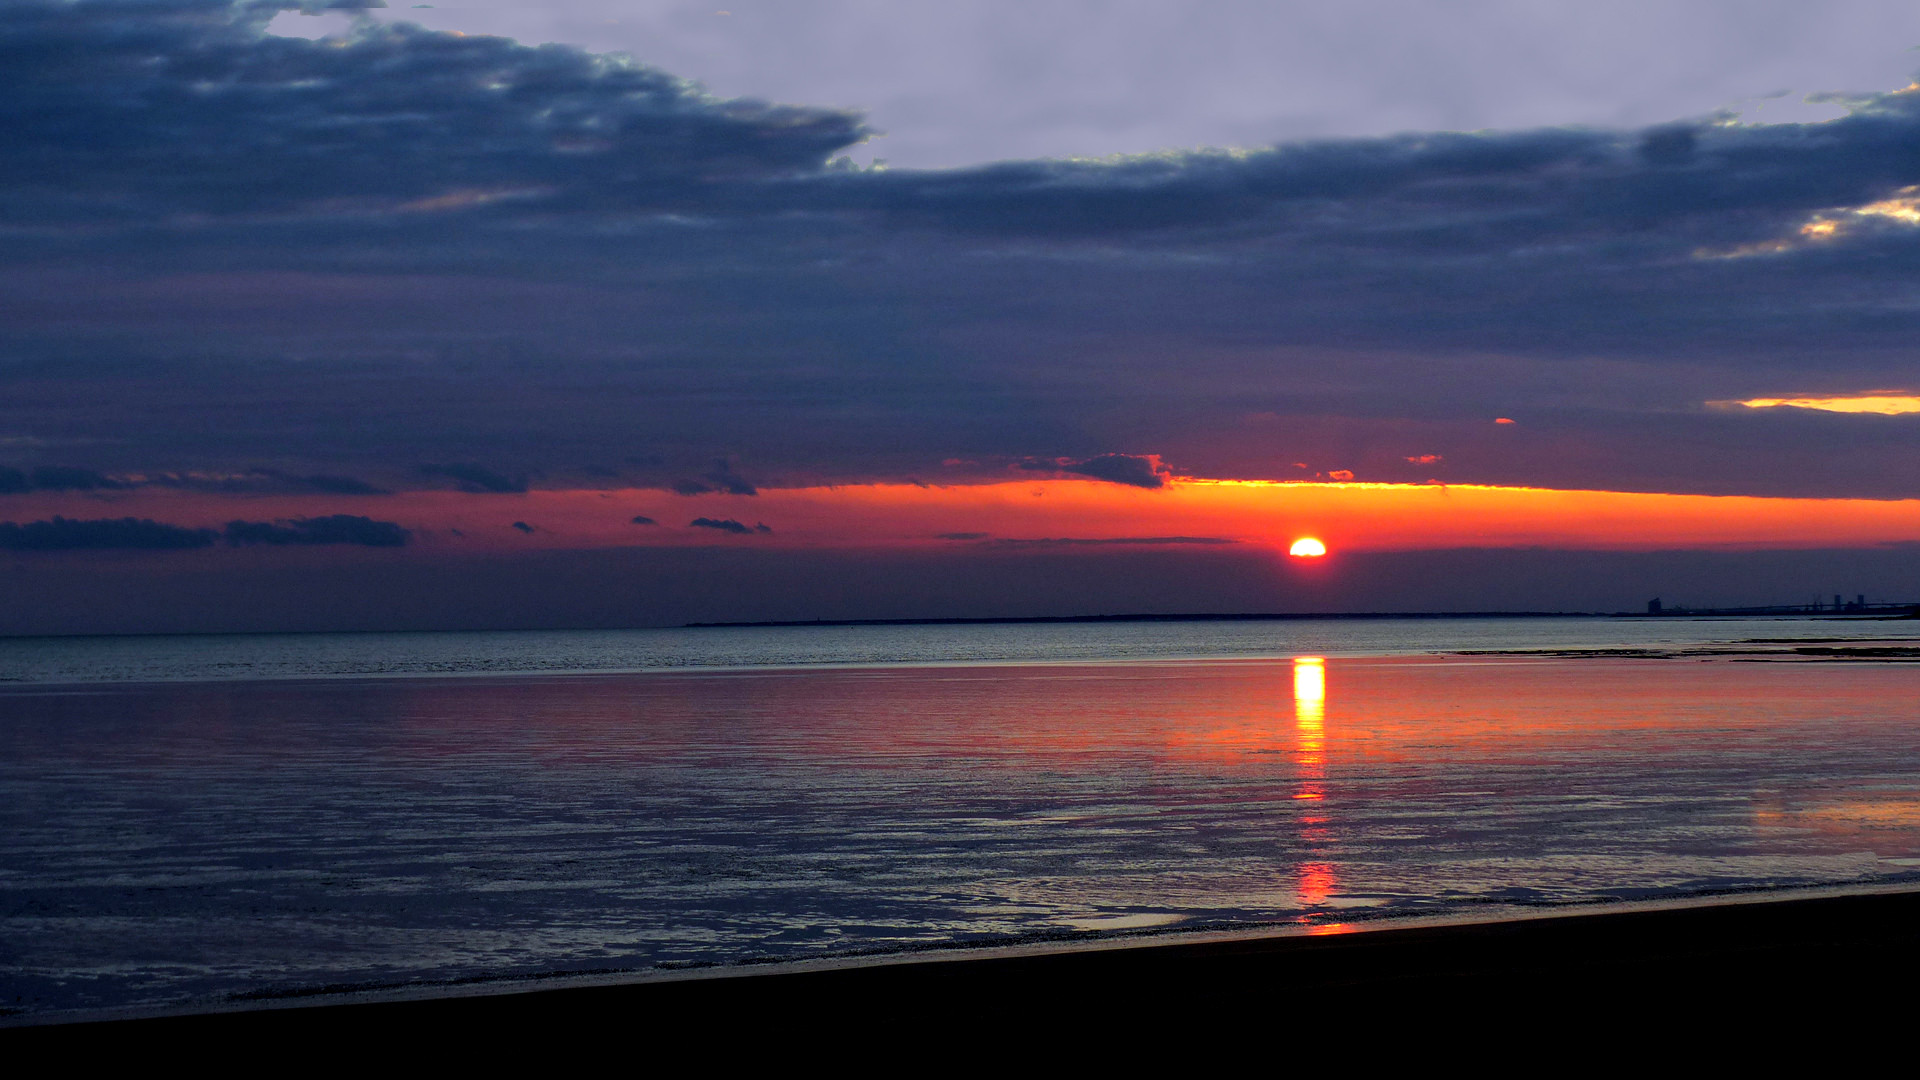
x=728, y=525
x=721, y=479
x=523, y=294
x=334, y=485
x=1134, y=470
x=1112, y=541
x=128, y=113
x=642, y=519
x=67, y=534
x=478, y=479
x=61, y=478
x=332, y=529
x=69, y=478
x=138, y=112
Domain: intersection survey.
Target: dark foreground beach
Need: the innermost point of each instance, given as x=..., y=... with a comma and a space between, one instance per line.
x=1719, y=971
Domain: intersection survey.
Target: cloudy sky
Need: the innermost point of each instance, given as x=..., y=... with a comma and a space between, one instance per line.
x=595, y=313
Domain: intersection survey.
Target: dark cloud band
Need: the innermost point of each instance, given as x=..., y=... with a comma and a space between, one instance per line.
x=143, y=534
x=727, y=525
x=548, y=256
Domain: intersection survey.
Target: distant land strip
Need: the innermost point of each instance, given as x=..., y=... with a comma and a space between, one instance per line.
x=1872, y=611
x=1204, y=616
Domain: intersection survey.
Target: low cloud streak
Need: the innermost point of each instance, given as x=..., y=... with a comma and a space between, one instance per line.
x=66, y=534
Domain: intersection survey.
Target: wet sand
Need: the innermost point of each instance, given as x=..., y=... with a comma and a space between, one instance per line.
x=1691, y=968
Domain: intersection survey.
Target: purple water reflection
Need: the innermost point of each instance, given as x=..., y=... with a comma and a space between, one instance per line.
x=187, y=842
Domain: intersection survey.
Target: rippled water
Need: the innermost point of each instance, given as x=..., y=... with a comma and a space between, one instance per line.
x=301, y=656
x=172, y=844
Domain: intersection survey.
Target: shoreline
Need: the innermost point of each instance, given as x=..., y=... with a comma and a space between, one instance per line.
x=1838, y=940
x=1873, y=612
x=1897, y=650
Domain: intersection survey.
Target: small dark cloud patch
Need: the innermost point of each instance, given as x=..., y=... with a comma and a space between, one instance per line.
x=963, y=536
x=1669, y=145
x=336, y=485
x=332, y=529
x=1134, y=470
x=66, y=478
x=67, y=534
x=1115, y=541
x=262, y=480
x=725, y=479
x=478, y=479
x=523, y=526
x=728, y=525
x=722, y=479
x=642, y=519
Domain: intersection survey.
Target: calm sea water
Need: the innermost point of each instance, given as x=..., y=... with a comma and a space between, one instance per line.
x=302, y=656
x=189, y=821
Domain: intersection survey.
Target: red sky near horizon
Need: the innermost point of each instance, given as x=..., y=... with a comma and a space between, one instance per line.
x=1347, y=516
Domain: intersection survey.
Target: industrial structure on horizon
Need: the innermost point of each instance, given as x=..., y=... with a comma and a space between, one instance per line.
x=1840, y=606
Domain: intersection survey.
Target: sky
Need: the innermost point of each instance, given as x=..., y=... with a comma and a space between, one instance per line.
x=326, y=317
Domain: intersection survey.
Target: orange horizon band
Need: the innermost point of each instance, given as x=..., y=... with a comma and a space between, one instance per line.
x=1346, y=516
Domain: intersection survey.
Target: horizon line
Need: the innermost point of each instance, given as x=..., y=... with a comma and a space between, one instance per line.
x=1872, y=611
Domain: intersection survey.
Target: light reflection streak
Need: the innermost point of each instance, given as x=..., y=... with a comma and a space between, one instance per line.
x=1317, y=877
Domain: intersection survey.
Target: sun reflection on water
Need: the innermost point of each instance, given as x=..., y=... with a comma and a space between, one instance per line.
x=1317, y=879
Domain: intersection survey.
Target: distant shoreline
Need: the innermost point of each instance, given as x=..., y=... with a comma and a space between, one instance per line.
x=1873, y=612
x=1887, y=611
x=1201, y=616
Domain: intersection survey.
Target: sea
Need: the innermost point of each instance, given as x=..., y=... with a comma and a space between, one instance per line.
x=204, y=822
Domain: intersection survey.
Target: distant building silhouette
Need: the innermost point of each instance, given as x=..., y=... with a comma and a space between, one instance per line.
x=1817, y=606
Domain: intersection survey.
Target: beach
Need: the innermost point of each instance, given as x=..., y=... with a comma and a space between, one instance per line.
x=1677, y=968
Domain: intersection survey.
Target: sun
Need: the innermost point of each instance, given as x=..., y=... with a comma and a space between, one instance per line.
x=1307, y=548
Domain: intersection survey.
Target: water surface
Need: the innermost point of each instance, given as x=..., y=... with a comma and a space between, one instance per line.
x=201, y=657
x=187, y=842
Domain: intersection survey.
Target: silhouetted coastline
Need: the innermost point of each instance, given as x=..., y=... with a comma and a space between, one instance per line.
x=1891, y=610
x=1192, y=616
x=1660, y=965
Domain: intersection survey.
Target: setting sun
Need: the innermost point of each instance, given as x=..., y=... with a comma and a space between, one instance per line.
x=1307, y=548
